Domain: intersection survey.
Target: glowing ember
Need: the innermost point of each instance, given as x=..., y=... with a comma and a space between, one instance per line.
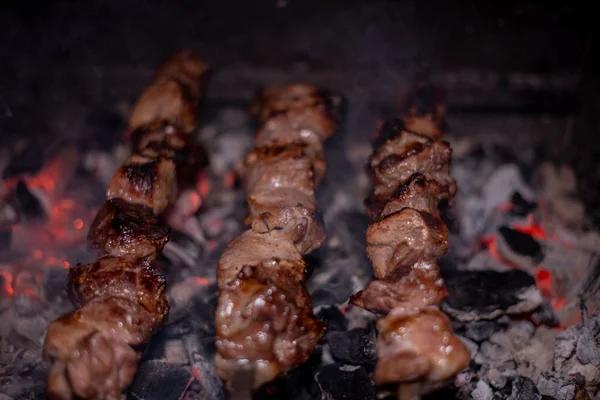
x=8, y=281
x=200, y=280
x=78, y=223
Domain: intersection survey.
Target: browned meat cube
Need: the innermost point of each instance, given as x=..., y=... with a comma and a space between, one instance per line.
x=421, y=286
x=416, y=192
x=187, y=68
x=286, y=167
x=165, y=100
x=417, y=344
x=146, y=181
x=401, y=157
x=265, y=316
x=127, y=277
x=403, y=238
x=294, y=213
x=122, y=228
x=271, y=251
x=307, y=108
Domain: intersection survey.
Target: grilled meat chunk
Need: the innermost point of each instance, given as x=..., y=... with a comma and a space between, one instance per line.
x=416, y=192
x=165, y=100
x=417, y=344
x=306, y=107
x=398, y=159
x=122, y=228
x=146, y=181
x=174, y=94
x=269, y=168
x=264, y=315
x=401, y=239
x=252, y=248
x=187, y=68
x=291, y=211
x=421, y=286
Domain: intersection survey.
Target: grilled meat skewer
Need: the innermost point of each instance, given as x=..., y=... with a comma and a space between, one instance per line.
x=409, y=166
x=264, y=320
x=121, y=297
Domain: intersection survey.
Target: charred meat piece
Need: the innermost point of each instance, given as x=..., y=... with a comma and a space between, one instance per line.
x=91, y=348
x=274, y=167
x=306, y=107
x=417, y=344
x=426, y=111
x=122, y=228
x=174, y=94
x=135, y=279
x=146, y=181
x=265, y=318
x=165, y=100
x=398, y=160
x=416, y=192
x=272, y=251
x=188, y=69
x=422, y=286
x=291, y=211
x=401, y=239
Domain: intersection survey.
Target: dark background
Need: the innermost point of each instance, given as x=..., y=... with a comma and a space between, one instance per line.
x=67, y=68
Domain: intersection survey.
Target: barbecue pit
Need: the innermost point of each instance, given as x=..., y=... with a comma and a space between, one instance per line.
x=524, y=226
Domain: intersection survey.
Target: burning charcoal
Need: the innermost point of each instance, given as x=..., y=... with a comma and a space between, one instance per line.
x=355, y=347
x=476, y=295
x=159, y=380
x=5, y=238
x=26, y=204
x=524, y=245
x=54, y=283
x=480, y=330
x=482, y=391
x=519, y=388
x=521, y=206
x=334, y=318
x=344, y=382
x=562, y=387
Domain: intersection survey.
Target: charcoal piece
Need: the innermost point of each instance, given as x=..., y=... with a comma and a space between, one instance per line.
x=476, y=295
x=480, y=330
x=5, y=238
x=28, y=206
x=55, y=283
x=338, y=381
x=519, y=388
x=588, y=348
x=336, y=321
x=354, y=347
x=522, y=243
x=544, y=315
x=159, y=380
x=521, y=206
x=554, y=385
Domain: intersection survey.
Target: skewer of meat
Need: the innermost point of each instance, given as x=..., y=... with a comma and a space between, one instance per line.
x=264, y=320
x=121, y=296
x=409, y=166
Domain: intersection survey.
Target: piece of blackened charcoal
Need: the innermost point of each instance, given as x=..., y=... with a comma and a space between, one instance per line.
x=555, y=385
x=54, y=283
x=520, y=205
x=354, y=347
x=338, y=381
x=544, y=315
x=518, y=388
x=479, y=331
x=5, y=238
x=477, y=295
x=336, y=321
x=522, y=243
x=26, y=204
x=160, y=380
